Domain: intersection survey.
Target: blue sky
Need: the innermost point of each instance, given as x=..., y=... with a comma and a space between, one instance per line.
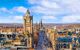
x=50, y=11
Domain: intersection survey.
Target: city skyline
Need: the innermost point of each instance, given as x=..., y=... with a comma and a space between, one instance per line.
x=50, y=11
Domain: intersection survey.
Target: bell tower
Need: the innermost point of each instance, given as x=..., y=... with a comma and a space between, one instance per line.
x=28, y=27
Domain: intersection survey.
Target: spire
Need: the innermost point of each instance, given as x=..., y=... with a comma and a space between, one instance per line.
x=41, y=24
x=27, y=13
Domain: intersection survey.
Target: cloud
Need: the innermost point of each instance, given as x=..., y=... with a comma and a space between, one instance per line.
x=12, y=15
x=11, y=19
x=48, y=17
x=70, y=5
x=46, y=7
x=32, y=1
x=18, y=17
x=4, y=9
x=19, y=9
x=71, y=19
x=62, y=10
x=66, y=9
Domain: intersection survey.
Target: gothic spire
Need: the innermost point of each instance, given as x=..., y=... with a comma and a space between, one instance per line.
x=27, y=13
x=41, y=24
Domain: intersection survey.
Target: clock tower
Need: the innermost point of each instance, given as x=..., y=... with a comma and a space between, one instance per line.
x=28, y=28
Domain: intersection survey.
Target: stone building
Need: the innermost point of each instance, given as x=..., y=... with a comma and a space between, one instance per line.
x=28, y=29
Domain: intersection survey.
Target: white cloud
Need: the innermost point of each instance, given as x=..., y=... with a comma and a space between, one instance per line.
x=3, y=9
x=47, y=11
x=18, y=17
x=32, y=1
x=20, y=9
x=71, y=19
x=67, y=9
x=48, y=17
x=12, y=15
x=71, y=5
x=11, y=19
x=46, y=7
x=56, y=6
x=48, y=4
